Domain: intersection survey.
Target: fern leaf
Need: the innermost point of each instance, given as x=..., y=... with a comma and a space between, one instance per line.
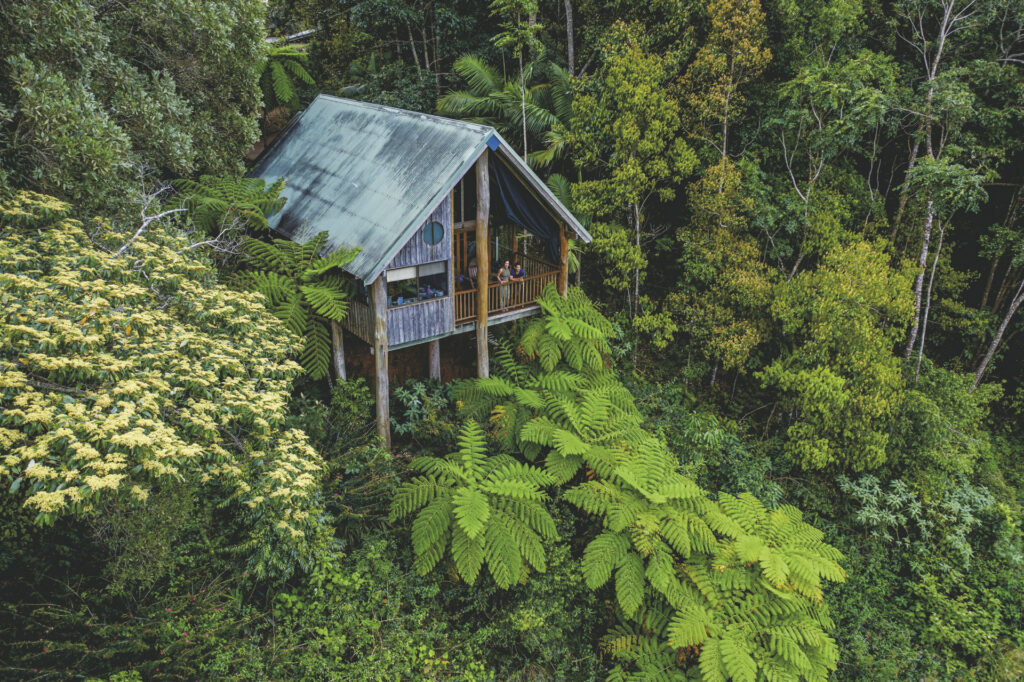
x=316, y=353
x=325, y=301
x=412, y=496
x=299, y=71
x=602, y=556
x=503, y=558
x=736, y=659
x=284, y=91
x=690, y=626
x=774, y=567
x=661, y=574
x=471, y=510
x=430, y=532
x=712, y=668
x=629, y=583
x=561, y=468
x=468, y=555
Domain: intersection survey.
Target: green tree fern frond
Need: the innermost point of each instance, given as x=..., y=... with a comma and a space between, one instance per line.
x=215, y=203
x=304, y=289
x=491, y=512
x=722, y=588
x=283, y=66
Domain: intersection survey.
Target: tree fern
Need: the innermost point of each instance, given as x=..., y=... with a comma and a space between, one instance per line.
x=739, y=587
x=283, y=69
x=487, y=507
x=304, y=289
x=215, y=203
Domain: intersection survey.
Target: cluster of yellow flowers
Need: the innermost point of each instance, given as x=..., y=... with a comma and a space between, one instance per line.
x=116, y=371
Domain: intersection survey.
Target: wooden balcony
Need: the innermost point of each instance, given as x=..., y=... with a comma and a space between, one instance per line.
x=506, y=298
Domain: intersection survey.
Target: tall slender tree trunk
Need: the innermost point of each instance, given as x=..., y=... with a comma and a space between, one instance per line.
x=522, y=100
x=636, y=273
x=412, y=46
x=570, y=44
x=988, y=282
x=426, y=53
x=922, y=261
x=904, y=194
x=1018, y=298
x=1004, y=287
x=928, y=303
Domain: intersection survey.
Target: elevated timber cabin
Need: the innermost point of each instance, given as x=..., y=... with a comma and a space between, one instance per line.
x=435, y=206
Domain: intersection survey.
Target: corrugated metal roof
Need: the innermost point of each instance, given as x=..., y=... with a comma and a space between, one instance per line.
x=369, y=175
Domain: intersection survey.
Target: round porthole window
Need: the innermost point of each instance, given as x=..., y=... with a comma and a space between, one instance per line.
x=433, y=233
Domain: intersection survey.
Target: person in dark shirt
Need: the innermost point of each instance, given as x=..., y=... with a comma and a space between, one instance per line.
x=518, y=288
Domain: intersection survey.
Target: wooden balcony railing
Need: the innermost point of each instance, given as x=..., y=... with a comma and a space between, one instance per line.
x=465, y=306
x=535, y=266
x=514, y=295
x=502, y=298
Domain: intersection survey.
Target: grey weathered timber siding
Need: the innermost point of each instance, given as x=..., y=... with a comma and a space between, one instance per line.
x=425, y=319
x=420, y=321
x=359, y=321
x=417, y=252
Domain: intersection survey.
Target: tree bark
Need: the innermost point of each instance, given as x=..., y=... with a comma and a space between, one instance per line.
x=636, y=273
x=904, y=195
x=988, y=282
x=1018, y=298
x=483, y=262
x=434, y=348
x=569, y=42
x=412, y=46
x=379, y=296
x=928, y=303
x=563, y=261
x=522, y=99
x=922, y=261
x=338, y=343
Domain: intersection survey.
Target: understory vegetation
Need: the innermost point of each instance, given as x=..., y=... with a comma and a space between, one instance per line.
x=773, y=432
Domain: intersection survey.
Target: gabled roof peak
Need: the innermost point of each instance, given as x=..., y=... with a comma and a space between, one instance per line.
x=355, y=103
x=369, y=175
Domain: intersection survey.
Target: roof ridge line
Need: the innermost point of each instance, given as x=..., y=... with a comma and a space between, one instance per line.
x=406, y=112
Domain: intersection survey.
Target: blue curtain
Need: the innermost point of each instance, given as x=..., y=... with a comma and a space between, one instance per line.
x=523, y=209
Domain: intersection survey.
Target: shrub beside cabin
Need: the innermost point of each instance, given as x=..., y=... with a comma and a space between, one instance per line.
x=436, y=206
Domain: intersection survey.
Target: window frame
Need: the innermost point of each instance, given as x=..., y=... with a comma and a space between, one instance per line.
x=404, y=272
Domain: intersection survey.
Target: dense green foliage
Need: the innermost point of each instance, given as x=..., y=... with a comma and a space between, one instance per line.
x=774, y=435
x=741, y=583
x=284, y=74
x=97, y=97
x=304, y=289
x=111, y=386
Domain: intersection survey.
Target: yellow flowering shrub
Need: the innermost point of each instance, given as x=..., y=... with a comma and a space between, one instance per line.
x=117, y=371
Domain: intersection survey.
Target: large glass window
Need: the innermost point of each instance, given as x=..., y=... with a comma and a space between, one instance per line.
x=417, y=283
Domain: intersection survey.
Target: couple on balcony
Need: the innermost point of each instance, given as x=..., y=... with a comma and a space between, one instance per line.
x=506, y=276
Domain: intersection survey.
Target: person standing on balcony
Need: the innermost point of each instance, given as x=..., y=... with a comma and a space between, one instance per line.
x=504, y=275
x=519, y=277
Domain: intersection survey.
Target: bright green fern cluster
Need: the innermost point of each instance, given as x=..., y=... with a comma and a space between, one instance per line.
x=725, y=587
x=284, y=66
x=303, y=289
x=217, y=203
x=486, y=508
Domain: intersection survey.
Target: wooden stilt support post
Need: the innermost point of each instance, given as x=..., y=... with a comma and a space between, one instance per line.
x=338, y=344
x=435, y=359
x=563, y=260
x=483, y=262
x=379, y=303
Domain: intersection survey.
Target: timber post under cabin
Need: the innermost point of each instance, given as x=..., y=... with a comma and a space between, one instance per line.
x=435, y=206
